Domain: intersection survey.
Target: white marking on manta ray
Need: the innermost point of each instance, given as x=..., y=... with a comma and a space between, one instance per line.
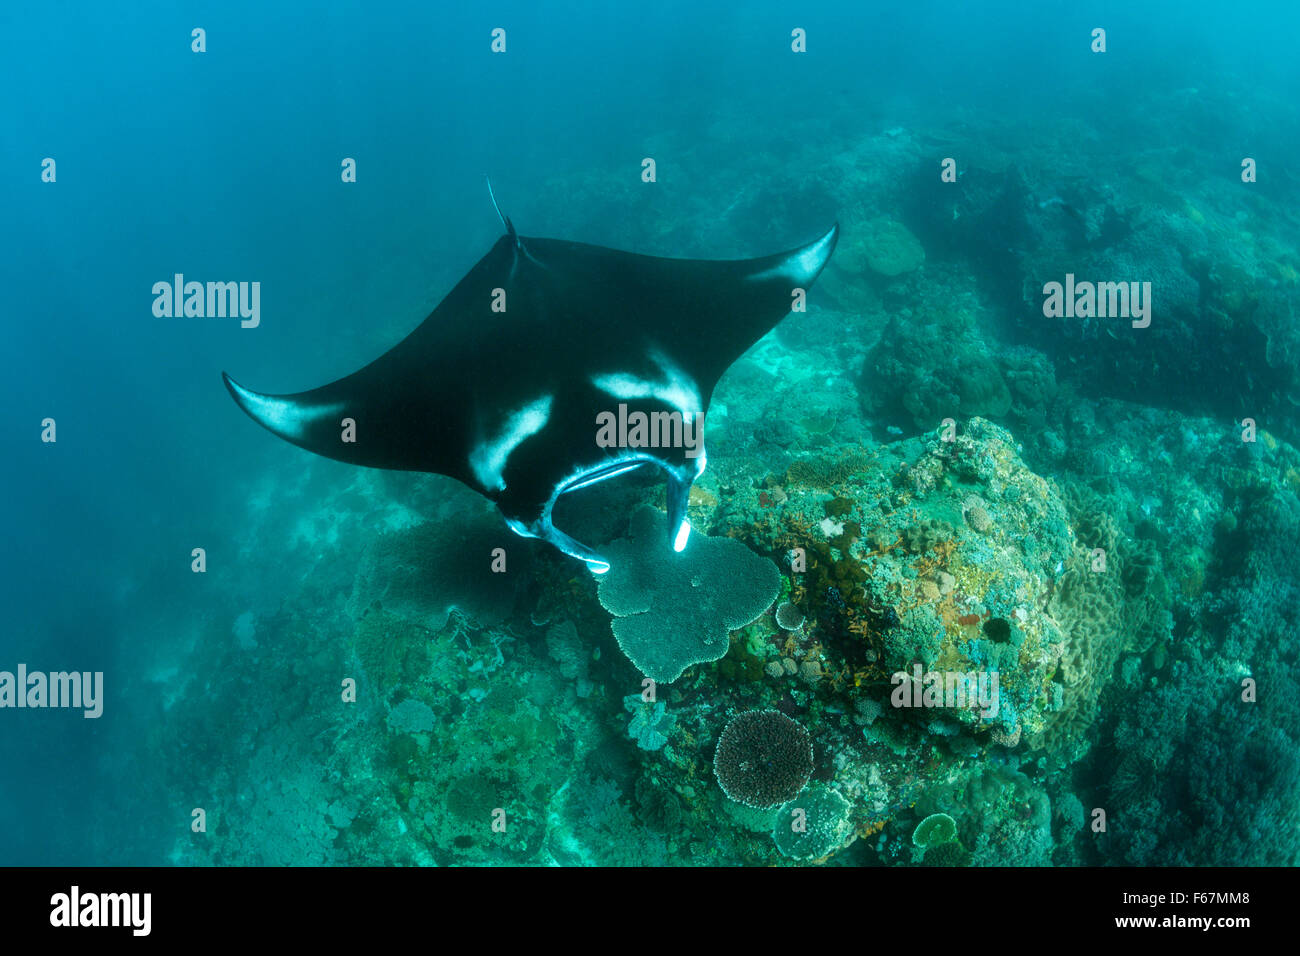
x=803, y=265
x=283, y=416
x=488, y=459
x=677, y=390
x=683, y=533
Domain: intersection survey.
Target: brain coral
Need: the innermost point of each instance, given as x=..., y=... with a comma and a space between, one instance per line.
x=1103, y=610
x=1093, y=526
x=1087, y=606
x=813, y=824
x=672, y=610
x=763, y=758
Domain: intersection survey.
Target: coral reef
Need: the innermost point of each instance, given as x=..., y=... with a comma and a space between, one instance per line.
x=883, y=245
x=908, y=380
x=918, y=484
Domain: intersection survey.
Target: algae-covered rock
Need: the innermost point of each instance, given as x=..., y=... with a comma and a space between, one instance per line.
x=972, y=572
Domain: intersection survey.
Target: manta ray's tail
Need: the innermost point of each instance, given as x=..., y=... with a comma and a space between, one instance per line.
x=505, y=220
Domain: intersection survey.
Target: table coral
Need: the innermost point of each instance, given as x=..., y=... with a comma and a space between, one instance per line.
x=672, y=610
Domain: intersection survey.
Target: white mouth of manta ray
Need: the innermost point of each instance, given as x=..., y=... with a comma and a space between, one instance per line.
x=680, y=480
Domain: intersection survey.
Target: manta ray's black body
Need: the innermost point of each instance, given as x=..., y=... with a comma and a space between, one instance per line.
x=507, y=402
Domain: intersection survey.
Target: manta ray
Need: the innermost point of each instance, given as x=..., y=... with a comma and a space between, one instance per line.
x=505, y=384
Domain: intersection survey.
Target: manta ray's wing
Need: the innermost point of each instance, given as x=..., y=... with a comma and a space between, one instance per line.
x=500, y=387
x=408, y=408
x=699, y=314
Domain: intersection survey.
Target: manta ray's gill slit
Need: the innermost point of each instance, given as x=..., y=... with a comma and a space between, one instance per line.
x=488, y=459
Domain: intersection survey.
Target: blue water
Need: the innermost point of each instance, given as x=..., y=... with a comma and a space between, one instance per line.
x=226, y=165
